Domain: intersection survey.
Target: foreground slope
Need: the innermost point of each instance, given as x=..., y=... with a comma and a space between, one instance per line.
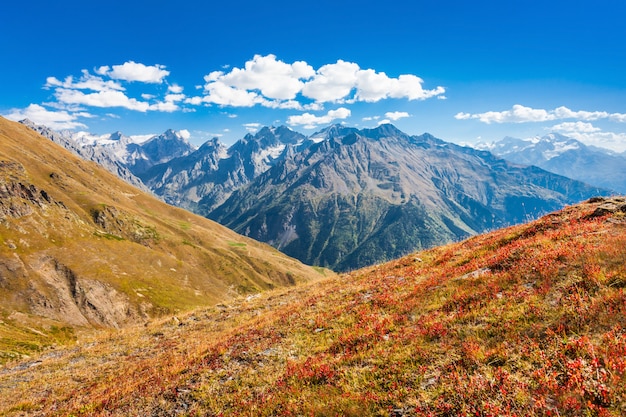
x=80, y=247
x=529, y=320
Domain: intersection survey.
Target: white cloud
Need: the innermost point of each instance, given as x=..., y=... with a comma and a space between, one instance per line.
x=396, y=115
x=523, y=114
x=175, y=88
x=333, y=82
x=134, y=71
x=373, y=87
x=252, y=127
x=225, y=95
x=100, y=99
x=86, y=82
x=383, y=122
x=576, y=127
x=97, y=91
x=57, y=120
x=269, y=82
x=273, y=78
x=310, y=121
x=164, y=106
x=184, y=133
x=194, y=100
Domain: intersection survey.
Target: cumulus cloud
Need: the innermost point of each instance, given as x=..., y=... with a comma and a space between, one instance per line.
x=221, y=93
x=184, y=133
x=580, y=127
x=523, y=114
x=134, y=71
x=103, y=99
x=106, y=89
x=592, y=135
x=396, y=115
x=310, y=121
x=86, y=82
x=273, y=78
x=332, y=82
x=270, y=82
x=252, y=127
x=58, y=120
x=175, y=88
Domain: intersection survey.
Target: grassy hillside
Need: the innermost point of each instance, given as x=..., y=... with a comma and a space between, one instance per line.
x=81, y=248
x=528, y=320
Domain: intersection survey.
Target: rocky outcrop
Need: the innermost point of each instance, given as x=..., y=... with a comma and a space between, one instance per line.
x=122, y=225
x=63, y=295
x=609, y=206
x=17, y=197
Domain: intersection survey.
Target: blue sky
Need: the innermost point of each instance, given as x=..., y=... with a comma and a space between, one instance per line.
x=462, y=71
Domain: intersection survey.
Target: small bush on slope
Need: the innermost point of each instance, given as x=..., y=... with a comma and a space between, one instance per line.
x=528, y=320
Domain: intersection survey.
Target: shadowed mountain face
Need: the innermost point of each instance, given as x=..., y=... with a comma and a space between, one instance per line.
x=361, y=197
x=80, y=247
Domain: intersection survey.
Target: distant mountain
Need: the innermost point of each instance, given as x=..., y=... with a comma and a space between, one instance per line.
x=99, y=154
x=80, y=247
x=566, y=156
x=204, y=179
x=157, y=150
x=118, y=153
x=358, y=197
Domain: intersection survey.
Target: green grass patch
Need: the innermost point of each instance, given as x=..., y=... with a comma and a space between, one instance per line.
x=237, y=244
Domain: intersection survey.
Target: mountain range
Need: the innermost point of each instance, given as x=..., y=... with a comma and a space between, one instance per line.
x=344, y=198
x=565, y=156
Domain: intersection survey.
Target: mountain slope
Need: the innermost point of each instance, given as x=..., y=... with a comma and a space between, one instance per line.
x=80, y=247
x=529, y=320
x=360, y=197
x=568, y=157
